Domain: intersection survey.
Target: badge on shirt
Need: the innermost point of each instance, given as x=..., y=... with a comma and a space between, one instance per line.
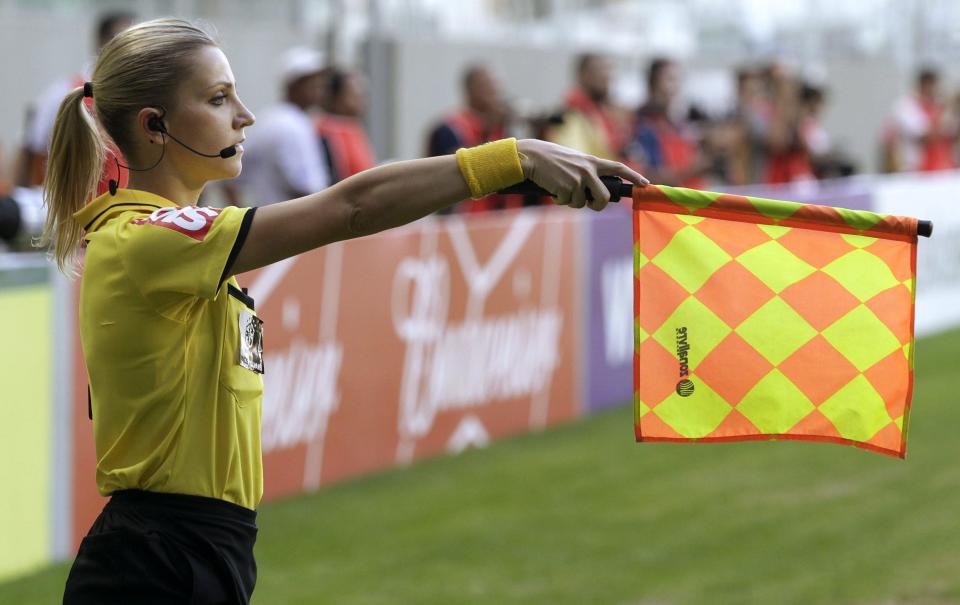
x=251, y=341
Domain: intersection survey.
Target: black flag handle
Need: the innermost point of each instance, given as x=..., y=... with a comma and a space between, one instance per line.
x=620, y=189
x=614, y=185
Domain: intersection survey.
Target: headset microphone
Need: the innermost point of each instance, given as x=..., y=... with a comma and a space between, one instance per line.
x=155, y=123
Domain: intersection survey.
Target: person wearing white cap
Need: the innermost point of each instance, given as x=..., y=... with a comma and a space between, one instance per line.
x=284, y=158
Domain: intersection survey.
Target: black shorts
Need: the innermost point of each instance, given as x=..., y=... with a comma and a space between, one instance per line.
x=149, y=547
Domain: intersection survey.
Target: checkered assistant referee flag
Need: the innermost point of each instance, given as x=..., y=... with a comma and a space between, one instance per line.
x=762, y=319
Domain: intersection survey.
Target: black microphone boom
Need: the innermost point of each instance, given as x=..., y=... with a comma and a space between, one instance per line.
x=226, y=152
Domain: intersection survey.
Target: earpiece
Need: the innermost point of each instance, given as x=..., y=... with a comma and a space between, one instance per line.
x=156, y=124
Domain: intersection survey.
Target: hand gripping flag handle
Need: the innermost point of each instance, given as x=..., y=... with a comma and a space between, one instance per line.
x=619, y=189
x=614, y=185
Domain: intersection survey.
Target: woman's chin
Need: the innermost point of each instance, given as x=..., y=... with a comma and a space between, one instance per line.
x=232, y=170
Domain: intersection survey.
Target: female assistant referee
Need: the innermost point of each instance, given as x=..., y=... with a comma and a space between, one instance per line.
x=171, y=342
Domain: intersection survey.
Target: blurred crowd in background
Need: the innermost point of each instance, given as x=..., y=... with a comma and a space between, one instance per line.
x=316, y=135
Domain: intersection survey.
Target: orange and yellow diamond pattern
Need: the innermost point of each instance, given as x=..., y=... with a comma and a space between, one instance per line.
x=781, y=320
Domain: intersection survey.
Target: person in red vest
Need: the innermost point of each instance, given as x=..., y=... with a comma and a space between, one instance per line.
x=591, y=122
x=749, y=124
x=921, y=133
x=32, y=157
x=788, y=156
x=341, y=127
x=664, y=145
x=485, y=117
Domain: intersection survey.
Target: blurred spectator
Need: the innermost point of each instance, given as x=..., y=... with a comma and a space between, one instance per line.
x=788, y=159
x=9, y=218
x=5, y=182
x=921, y=132
x=781, y=134
x=283, y=157
x=485, y=117
x=22, y=216
x=825, y=160
x=666, y=147
x=750, y=125
x=40, y=116
x=590, y=121
x=340, y=128
x=9, y=210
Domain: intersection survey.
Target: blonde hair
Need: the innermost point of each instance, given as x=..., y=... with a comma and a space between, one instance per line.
x=141, y=67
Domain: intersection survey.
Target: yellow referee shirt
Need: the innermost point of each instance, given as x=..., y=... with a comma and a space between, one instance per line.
x=175, y=407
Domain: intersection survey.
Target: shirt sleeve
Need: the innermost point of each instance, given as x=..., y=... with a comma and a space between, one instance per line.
x=442, y=141
x=187, y=250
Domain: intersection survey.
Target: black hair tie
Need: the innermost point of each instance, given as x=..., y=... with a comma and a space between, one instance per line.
x=88, y=89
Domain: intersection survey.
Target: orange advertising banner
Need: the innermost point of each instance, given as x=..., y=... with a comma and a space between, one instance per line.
x=384, y=350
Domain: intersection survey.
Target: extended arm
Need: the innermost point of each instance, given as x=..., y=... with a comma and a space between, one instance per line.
x=397, y=194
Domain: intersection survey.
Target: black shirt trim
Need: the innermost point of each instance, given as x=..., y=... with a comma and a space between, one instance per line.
x=238, y=245
x=108, y=208
x=241, y=296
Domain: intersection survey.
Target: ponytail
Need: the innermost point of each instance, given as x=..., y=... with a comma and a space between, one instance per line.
x=76, y=158
x=139, y=67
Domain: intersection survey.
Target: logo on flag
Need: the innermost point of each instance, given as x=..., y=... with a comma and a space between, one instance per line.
x=682, y=348
x=685, y=387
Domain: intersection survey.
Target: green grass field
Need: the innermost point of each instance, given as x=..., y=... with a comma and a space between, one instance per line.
x=582, y=514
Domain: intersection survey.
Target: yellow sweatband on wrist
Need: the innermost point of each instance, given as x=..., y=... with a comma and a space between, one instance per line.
x=490, y=167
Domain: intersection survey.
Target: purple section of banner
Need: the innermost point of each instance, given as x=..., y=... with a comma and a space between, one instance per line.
x=609, y=312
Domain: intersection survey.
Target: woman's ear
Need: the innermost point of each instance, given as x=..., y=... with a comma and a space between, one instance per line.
x=150, y=124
